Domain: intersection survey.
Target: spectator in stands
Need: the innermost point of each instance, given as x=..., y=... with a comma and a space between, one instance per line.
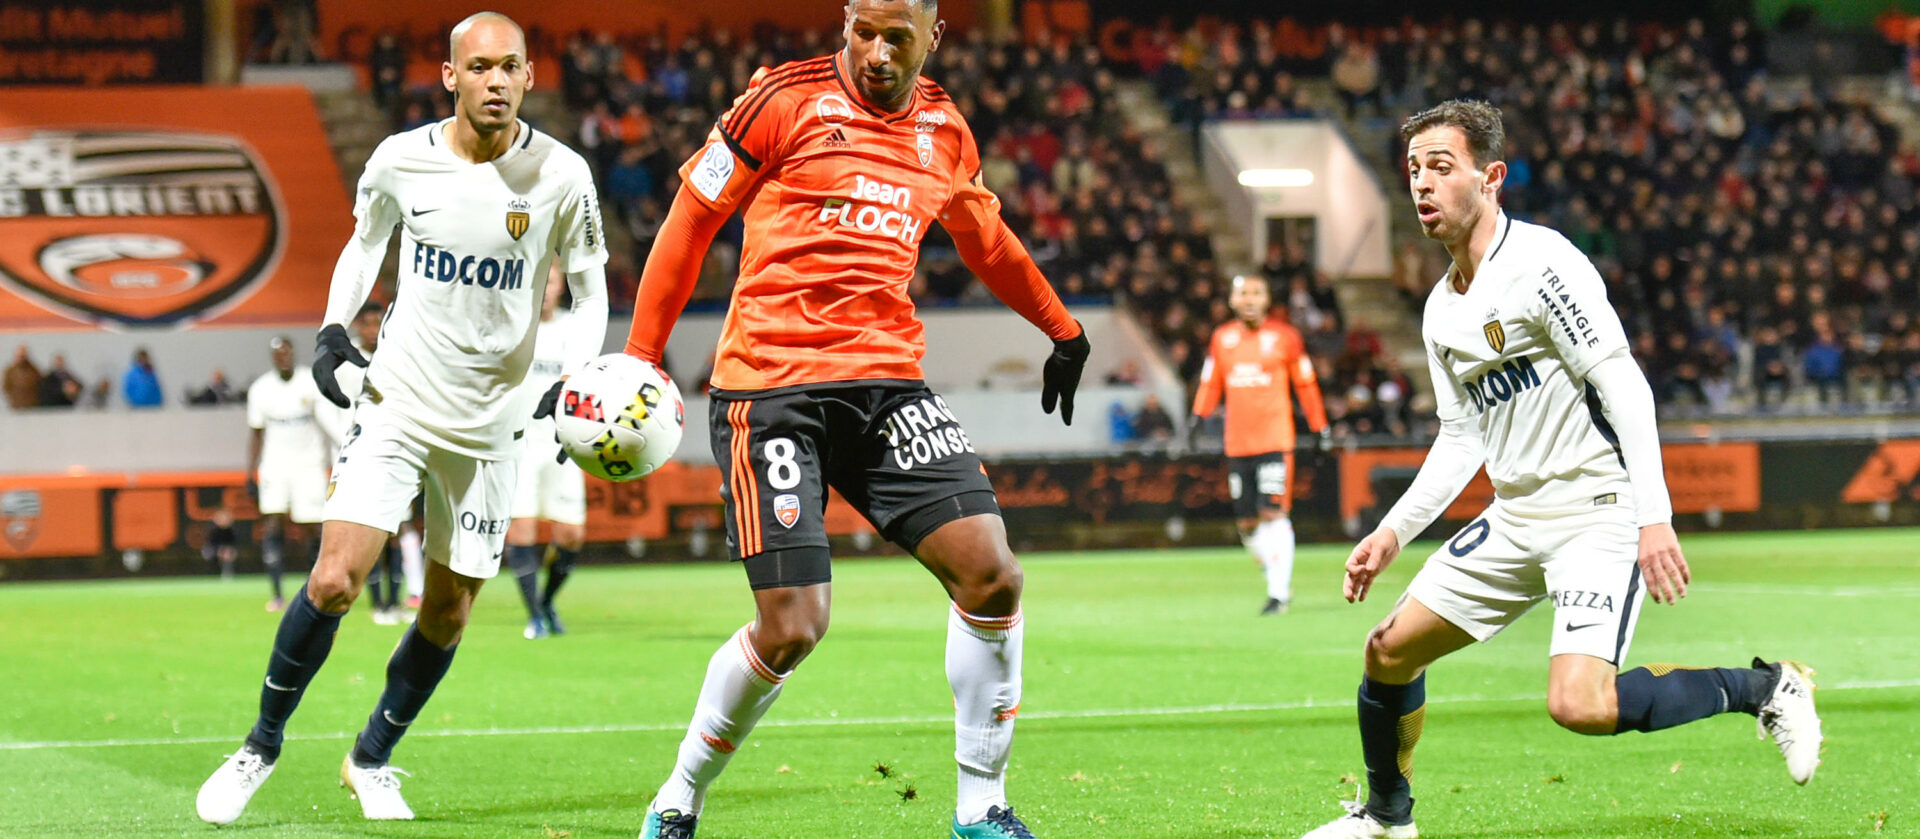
x=1356, y=75
x=1771, y=378
x=386, y=68
x=1152, y=425
x=1126, y=375
x=1823, y=362
x=296, y=28
x=141, y=385
x=58, y=387
x=217, y=391
x=22, y=381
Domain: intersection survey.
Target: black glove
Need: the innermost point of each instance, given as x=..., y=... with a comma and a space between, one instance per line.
x=330, y=350
x=1061, y=375
x=548, y=402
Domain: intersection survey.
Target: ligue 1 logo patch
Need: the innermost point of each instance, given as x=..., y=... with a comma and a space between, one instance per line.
x=1496, y=335
x=20, y=516
x=925, y=143
x=136, y=228
x=517, y=218
x=786, y=509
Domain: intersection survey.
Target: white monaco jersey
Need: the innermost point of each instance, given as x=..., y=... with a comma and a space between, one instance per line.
x=476, y=242
x=1512, y=355
x=556, y=345
x=284, y=411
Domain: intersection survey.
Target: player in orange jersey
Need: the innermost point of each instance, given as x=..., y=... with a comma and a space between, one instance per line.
x=1252, y=361
x=839, y=164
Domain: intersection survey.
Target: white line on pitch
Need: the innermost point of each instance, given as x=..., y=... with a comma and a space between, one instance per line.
x=1805, y=591
x=633, y=728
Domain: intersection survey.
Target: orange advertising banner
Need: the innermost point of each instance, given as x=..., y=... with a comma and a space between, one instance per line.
x=166, y=207
x=1700, y=476
x=61, y=521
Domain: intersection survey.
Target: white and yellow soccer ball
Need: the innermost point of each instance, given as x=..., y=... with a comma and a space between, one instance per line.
x=619, y=418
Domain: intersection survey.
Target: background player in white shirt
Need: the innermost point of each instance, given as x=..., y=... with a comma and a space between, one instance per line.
x=484, y=202
x=551, y=487
x=1534, y=381
x=286, y=460
x=402, y=556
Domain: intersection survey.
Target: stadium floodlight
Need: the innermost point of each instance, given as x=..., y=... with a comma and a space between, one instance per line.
x=1266, y=178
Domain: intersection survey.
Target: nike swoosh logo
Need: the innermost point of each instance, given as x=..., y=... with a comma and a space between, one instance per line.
x=1572, y=628
x=419, y=212
x=273, y=686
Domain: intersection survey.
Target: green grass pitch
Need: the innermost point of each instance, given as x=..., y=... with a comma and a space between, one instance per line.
x=1156, y=705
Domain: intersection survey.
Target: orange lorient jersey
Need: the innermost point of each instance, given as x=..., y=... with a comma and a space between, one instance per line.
x=836, y=198
x=1253, y=369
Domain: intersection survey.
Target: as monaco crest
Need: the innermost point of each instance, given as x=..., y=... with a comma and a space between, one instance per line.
x=20, y=517
x=517, y=218
x=1496, y=335
x=136, y=228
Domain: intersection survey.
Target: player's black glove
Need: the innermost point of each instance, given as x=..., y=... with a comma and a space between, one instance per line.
x=330, y=350
x=1061, y=375
x=549, y=402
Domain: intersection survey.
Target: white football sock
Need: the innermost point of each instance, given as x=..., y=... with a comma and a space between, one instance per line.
x=983, y=666
x=1276, y=543
x=413, y=562
x=738, y=690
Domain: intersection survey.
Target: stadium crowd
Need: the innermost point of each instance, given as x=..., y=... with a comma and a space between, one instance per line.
x=1758, y=240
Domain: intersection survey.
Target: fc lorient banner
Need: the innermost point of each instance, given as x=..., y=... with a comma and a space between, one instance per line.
x=165, y=207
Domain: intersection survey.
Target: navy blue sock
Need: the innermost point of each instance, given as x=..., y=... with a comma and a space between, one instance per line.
x=273, y=551
x=373, y=588
x=412, y=674
x=525, y=562
x=1391, y=717
x=299, y=648
x=1665, y=695
x=563, y=560
x=390, y=566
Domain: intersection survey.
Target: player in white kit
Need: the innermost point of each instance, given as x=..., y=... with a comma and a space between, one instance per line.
x=551, y=488
x=1534, y=381
x=286, y=459
x=484, y=203
x=336, y=421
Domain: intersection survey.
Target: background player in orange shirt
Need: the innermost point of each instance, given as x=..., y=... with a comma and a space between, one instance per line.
x=839, y=164
x=1252, y=362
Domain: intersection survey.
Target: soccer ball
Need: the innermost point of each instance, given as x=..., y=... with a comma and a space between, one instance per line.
x=619, y=418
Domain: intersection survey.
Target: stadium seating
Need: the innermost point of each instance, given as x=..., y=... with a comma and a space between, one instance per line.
x=1758, y=236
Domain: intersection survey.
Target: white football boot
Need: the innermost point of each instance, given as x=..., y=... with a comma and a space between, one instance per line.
x=378, y=789
x=1788, y=716
x=225, y=794
x=1358, y=824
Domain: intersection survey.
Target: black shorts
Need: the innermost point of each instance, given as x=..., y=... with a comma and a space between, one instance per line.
x=1260, y=482
x=892, y=449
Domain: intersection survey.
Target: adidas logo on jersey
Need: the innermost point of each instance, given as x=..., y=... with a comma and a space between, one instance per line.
x=836, y=140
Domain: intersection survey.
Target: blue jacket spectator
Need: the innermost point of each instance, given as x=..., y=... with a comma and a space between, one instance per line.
x=141, y=386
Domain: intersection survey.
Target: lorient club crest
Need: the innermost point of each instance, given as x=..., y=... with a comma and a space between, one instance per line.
x=1496, y=335
x=136, y=228
x=20, y=517
x=786, y=509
